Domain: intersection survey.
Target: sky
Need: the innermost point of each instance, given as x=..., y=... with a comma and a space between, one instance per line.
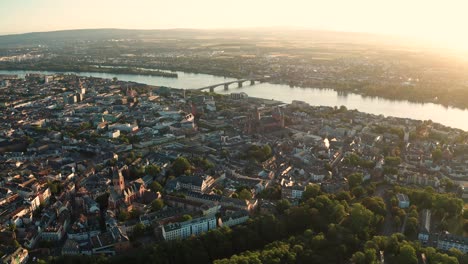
x=440, y=21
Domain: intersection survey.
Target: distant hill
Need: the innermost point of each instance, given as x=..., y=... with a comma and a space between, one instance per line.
x=87, y=34
x=56, y=37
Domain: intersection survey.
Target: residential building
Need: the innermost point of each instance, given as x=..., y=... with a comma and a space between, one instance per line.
x=292, y=192
x=425, y=229
x=403, y=200
x=188, y=228
x=234, y=218
x=448, y=241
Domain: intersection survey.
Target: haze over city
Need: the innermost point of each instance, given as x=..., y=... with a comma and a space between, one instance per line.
x=438, y=23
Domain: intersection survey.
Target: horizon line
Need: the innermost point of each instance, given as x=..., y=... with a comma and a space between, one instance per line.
x=2, y=34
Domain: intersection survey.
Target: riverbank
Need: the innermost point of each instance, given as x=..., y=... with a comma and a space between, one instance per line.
x=448, y=95
x=97, y=69
x=448, y=116
x=415, y=92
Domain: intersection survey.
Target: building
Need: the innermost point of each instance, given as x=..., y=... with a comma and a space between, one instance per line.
x=190, y=183
x=71, y=247
x=425, y=229
x=258, y=123
x=292, y=192
x=334, y=186
x=464, y=188
x=110, y=242
x=113, y=134
x=238, y=96
x=188, y=228
x=19, y=256
x=424, y=180
x=118, y=180
x=448, y=241
x=234, y=218
x=403, y=200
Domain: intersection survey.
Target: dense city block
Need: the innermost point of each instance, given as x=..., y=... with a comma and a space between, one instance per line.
x=102, y=170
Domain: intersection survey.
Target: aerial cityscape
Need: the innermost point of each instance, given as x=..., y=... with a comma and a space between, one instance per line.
x=196, y=139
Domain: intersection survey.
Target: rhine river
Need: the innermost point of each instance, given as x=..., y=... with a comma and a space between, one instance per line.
x=449, y=116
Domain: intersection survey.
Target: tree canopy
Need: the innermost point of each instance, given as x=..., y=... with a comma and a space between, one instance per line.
x=181, y=166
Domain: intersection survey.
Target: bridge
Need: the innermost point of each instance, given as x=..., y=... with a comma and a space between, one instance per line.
x=240, y=83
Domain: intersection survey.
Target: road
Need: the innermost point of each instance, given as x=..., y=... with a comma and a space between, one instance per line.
x=404, y=224
x=388, y=228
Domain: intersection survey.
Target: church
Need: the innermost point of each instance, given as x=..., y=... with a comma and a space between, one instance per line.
x=120, y=194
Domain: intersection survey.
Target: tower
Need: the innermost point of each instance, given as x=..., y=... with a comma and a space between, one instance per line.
x=194, y=108
x=406, y=135
x=282, y=120
x=118, y=180
x=257, y=114
x=279, y=116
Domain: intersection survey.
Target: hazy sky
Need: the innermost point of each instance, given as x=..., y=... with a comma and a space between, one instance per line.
x=444, y=21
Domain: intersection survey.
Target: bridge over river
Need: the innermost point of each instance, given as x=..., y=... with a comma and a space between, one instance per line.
x=239, y=82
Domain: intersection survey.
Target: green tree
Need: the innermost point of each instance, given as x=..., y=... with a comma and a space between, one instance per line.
x=360, y=220
x=157, y=205
x=203, y=163
x=259, y=154
x=407, y=255
x=311, y=191
x=55, y=187
x=359, y=258
x=12, y=227
x=465, y=214
x=352, y=159
x=266, y=150
x=16, y=244
x=437, y=155
x=138, y=230
x=371, y=256
x=344, y=196
x=392, y=161
x=186, y=217
x=134, y=214
x=282, y=205
x=375, y=204
x=123, y=216
x=273, y=192
x=355, y=179
x=458, y=254
x=358, y=191
x=152, y=170
x=30, y=140
x=245, y=194
x=155, y=186
x=180, y=166
x=465, y=226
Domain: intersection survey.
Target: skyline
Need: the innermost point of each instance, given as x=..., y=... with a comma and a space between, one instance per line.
x=434, y=22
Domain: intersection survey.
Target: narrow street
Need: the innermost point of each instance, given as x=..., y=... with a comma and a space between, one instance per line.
x=388, y=228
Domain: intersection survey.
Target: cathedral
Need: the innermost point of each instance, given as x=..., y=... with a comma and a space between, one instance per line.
x=121, y=194
x=259, y=122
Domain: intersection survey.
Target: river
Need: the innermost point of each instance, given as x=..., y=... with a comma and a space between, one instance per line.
x=449, y=116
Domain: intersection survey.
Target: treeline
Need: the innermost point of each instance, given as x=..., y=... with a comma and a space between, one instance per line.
x=310, y=248
x=325, y=228
x=342, y=225
x=441, y=204
x=66, y=67
x=452, y=94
